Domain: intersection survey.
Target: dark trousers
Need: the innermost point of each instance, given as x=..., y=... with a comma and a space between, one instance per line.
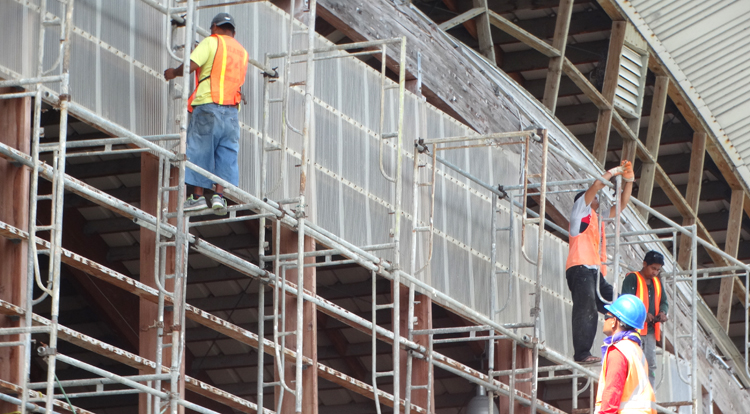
x=582, y=285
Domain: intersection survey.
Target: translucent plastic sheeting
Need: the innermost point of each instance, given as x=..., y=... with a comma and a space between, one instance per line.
x=119, y=52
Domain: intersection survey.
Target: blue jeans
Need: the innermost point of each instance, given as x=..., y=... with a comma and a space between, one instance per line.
x=649, y=349
x=213, y=140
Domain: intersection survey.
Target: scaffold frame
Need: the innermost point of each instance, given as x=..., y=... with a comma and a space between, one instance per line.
x=172, y=232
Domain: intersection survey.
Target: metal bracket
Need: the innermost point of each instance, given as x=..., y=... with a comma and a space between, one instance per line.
x=46, y=351
x=503, y=193
x=274, y=76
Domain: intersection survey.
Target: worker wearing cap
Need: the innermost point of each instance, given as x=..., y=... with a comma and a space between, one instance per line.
x=623, y=383
x=647, y=286
x=586, y=257
x=213, y=134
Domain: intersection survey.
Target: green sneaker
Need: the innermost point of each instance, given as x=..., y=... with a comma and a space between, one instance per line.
x=219, y=204
x=193, y=204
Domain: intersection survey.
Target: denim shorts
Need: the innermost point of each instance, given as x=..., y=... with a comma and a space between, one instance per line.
x=213, y=138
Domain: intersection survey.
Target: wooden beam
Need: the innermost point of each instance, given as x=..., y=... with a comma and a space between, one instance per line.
x=289, y=244
x=522, y=35
x=734, y=228
x=653, y=138
x=611, y=9
x=604, y=124
x=697, y=158
x=484, y=32
x=559, y=41
x=586, y=87
x=15, y=131
x=461, y=18
x=420, y=368
x=146, y=250
x=692, y=195
x=504, y=361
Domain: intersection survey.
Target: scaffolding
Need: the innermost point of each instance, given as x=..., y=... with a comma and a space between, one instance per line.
x=171, y=225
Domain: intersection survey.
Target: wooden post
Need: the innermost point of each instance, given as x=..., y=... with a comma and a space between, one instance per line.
x=731, y=246
x=604, y=123
x=15, y=124
x=559, y=41
x=484, y=33
x=149, y=310
x=310, y=330
x=503, y=361
x=420, y=367
x=653, y=139
x=692, y=195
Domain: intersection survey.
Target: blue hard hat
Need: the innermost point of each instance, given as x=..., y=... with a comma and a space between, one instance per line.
x=629, y=309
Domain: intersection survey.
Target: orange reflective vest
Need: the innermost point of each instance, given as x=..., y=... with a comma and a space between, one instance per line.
x=637, y=394
x=227, y=73
x=584, y=248
x=642, y=292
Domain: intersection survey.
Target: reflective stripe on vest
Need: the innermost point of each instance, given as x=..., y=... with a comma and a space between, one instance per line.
x=584, y=248
x=642, y=292
x=227, y=73
x=637, y=394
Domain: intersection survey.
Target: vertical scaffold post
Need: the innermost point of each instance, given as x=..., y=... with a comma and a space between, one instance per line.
x=493, y=301
x=416, y=229
x=395, y=235
x=180, y=237
x=308, y=133
x=618, y=224
x=58, y=190
x=262, y=235
x=536, y=311
x=397, y=231
x=32, y=255
x=694, y=384
x=162, y=203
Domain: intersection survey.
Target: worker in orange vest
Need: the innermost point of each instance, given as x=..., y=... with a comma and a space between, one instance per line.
x=623, y=382
x=586, y=258
x=213, y=134
x=647, y=286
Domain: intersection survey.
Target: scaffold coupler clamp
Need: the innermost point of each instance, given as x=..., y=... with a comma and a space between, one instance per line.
x=45, y=351
x=63, y=97
x=421, y=147
x=501, y=189
x=273, y=76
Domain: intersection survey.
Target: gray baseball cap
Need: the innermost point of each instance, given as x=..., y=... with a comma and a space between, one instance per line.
x=222, y=19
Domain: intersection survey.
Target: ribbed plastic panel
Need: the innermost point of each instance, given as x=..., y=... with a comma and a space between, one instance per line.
x=710, y=42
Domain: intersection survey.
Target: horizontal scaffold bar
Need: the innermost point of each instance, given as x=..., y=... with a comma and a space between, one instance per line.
x=204, y=318
x=325, y=306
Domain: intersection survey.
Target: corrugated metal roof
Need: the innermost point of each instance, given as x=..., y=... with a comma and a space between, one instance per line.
x=706, y=46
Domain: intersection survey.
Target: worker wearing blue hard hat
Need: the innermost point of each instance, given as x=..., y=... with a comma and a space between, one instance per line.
x=624, y=386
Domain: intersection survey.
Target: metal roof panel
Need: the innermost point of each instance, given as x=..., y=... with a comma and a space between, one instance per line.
x=705, y=44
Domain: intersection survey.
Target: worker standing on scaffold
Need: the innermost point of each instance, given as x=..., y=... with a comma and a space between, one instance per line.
x=213, y=133
x=623, y=384
x=585, y=263
x=647, y=286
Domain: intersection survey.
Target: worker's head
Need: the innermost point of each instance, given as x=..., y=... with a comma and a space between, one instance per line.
x=223, y=24
x=594, y=204
x=652, y=263
x=624, y=314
